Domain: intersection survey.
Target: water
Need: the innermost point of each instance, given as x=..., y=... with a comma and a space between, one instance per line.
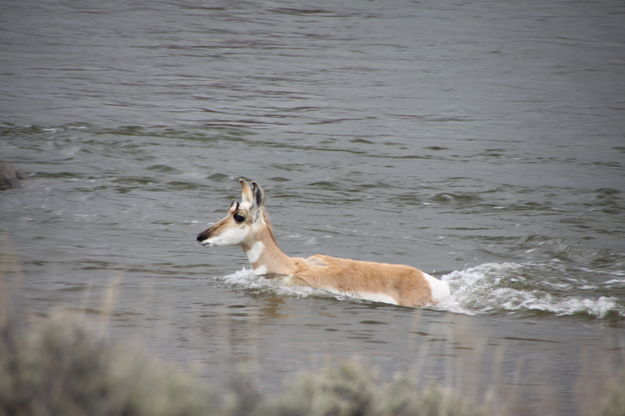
x=481, y=142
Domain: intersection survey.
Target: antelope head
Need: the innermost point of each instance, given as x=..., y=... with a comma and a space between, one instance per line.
x=244, y=219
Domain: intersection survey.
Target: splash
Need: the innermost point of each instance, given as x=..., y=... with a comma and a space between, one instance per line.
x=516, y=288
x=246, y=279
x=487, y=289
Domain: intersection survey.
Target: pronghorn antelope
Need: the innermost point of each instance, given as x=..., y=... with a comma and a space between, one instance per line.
x=248, y=226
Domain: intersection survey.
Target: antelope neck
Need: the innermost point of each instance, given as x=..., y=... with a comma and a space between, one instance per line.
x=265, y=256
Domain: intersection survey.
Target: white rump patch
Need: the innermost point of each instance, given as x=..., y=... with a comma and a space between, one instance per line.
x=440, y=289
x=253, y=254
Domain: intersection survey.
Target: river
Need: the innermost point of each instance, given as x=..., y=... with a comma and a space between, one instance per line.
x=481, y=142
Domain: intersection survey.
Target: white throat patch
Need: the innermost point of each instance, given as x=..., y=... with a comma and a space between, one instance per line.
x=253, y=254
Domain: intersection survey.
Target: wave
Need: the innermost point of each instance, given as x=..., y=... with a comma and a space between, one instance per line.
x=494, y=288
x=246, y=279
x=487, y=289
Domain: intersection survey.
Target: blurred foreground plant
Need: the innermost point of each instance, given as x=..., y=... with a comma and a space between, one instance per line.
x=613, y=404
x=349, y=389
x=61, y=368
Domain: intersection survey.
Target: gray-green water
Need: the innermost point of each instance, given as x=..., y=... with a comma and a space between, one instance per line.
x=481, y=142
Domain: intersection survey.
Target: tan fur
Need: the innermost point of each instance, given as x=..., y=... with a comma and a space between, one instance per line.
x=405, y=284
x=273, y=258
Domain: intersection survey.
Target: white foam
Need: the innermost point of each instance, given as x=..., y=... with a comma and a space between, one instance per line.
x=261, y=270
x=544, y=302
x=248, y=279
x=508, y=287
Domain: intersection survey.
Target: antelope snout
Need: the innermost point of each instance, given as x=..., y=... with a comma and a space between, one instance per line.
x=202, y=238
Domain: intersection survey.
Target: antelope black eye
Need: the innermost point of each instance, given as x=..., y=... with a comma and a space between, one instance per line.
x=239, y=217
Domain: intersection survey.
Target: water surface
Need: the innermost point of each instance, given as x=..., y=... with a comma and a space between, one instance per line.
x=481, y=142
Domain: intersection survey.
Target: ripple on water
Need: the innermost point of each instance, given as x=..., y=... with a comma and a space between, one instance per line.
x=494, y=288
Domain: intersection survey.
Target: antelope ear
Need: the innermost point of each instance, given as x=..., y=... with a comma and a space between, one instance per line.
x=259, y=194
x=247, y=195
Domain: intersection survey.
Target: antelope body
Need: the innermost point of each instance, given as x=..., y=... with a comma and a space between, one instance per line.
x=248, y=226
